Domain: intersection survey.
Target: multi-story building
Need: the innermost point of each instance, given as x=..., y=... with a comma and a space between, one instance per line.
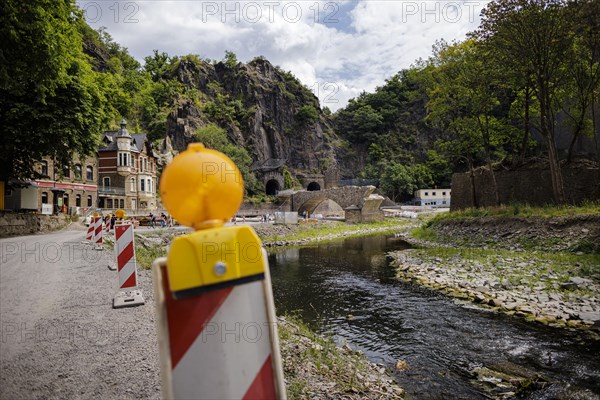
x=67, y=188
x=432, y=197
x=126, y=171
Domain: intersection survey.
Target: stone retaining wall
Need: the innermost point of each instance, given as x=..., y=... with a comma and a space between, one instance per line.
x=17, y=224
x=532, y=186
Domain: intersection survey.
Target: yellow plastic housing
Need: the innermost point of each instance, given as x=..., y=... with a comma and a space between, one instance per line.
x=214, y=256
x=202, y=187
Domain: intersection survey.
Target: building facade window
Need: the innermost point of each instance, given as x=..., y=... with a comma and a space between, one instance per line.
x=106, y=182
x=89, y=201
x=132, y=185
x=44, y=169
x=150, y=185
x=66, y=171
x=44, y=197
x=78, y=200
x=142, y=185
x=109, y=203
x=78, y=171
x=89, y=173
x=66, y=199
x=124, y=160
x=121, y=203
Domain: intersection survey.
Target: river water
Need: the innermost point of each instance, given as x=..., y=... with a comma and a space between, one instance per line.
x=347, y=290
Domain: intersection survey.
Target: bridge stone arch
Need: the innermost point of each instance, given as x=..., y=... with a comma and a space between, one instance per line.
x=345, y=197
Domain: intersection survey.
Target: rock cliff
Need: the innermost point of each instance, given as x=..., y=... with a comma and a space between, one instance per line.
x=263, y=109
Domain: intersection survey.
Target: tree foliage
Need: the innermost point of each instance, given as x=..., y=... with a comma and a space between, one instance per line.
x=51, y=102
x=530, y=70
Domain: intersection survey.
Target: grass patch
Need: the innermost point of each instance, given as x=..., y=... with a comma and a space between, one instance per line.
x=425, y=233
x=309, y=231
x=145, y=256
x=522, y=210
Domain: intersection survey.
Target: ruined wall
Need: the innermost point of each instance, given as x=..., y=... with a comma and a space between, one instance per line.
x=18, y=224
x=531, y=186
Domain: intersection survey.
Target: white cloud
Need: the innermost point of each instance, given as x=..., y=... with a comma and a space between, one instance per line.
x=341, y=48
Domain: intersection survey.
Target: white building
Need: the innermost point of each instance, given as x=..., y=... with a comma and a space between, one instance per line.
x=432, y=197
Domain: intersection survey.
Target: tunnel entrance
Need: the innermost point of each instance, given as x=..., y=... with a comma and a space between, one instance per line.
x=313, y=187
x=272, y=187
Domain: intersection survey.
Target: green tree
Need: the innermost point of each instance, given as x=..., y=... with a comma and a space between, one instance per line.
x=532, y=36
x=157, y=65
x=51, y=102
x=584, y=71
x=464, y=97
x=230, y=59
x=306, y=115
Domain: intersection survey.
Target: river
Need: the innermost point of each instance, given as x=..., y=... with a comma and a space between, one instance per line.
x=348, y=290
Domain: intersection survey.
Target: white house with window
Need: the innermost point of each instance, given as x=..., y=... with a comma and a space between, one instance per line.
x=432, y=197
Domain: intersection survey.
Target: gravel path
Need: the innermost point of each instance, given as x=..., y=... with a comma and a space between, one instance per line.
x=60, y=337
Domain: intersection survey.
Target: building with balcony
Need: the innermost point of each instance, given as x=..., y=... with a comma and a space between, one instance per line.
x=69, y=188
x=126, y=171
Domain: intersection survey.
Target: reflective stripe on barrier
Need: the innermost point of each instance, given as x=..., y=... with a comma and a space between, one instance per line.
x=128, y=293
x=220, y=343
x=98, y=233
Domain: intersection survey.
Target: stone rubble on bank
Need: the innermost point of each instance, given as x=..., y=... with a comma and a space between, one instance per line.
x=315, y=368
x=515, y=285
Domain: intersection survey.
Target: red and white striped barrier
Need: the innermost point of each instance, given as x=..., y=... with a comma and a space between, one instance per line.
x=220, y=344
x=107, y=227
x=98, y=233
x=90, y=233
x=129, y=294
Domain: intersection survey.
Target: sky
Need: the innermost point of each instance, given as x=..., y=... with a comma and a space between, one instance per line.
x=336, y=48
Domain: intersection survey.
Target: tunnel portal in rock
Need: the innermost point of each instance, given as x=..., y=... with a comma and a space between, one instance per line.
x=313, y=187
x=272, y=187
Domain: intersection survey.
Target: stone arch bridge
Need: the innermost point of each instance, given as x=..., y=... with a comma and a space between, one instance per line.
x=358, y=202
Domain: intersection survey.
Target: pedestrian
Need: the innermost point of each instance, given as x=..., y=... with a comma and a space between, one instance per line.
x=152, y=219
x=163, y=220
x=113, y=219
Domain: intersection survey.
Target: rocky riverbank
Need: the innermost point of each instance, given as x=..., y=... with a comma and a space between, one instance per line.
x=315, y=368
x=554, y=289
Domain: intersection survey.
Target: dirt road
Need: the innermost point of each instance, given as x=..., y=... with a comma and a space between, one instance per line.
x=60, y=337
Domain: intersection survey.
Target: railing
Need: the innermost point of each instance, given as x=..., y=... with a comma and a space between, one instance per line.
x=111, y=190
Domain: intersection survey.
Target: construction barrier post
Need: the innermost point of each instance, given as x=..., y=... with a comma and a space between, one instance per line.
x=216, y=317
x=98, y=233
x=89, y=237
x=128, y=294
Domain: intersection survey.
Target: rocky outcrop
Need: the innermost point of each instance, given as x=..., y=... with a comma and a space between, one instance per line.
x=264, y=109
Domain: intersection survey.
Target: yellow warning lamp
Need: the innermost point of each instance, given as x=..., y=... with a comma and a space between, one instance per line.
x=201, y=188
x=108, y=216
x=96, y=215
x=120, y=214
